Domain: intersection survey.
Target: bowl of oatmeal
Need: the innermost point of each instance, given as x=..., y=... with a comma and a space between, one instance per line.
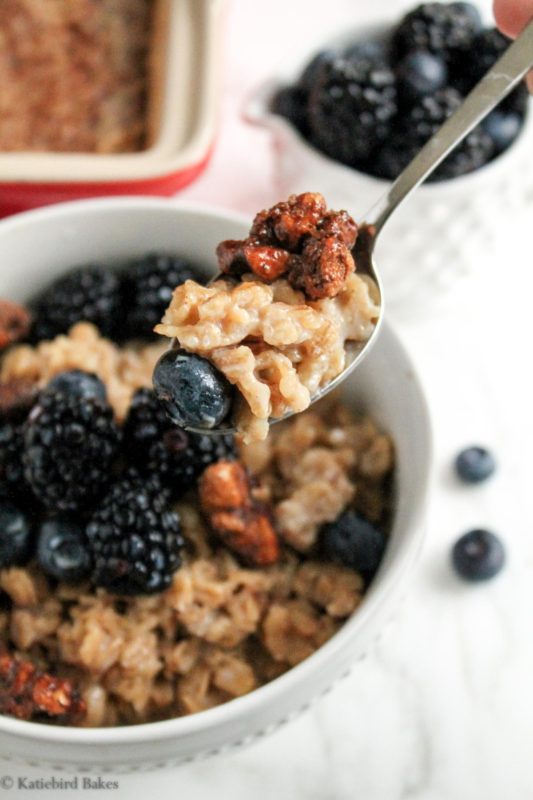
x=190, y=595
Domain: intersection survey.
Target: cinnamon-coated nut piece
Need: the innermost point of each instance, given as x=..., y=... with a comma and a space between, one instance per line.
x=243, y=524
x=26, y=692
x=14, y=323
x=287, y=223
x=341, y=225
x=223, y=485
x=322, y=269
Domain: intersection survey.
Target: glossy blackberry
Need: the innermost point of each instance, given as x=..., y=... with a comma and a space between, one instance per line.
x=69, y=446
x=291, y=102
x=89, y=293
x=134, y=539
x=445, y=29
x=488, y=46
x=418, y=125
x=156, y=446
x=478, y=555
x=351, y=109
x=147, y=288
x=13, y=484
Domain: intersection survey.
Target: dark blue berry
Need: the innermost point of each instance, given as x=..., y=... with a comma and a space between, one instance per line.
x=353, y=541
x=478, y=555
x=474, y=464
x=420, y=73
x=194, y=393
x=62, y=549
x=15, y=536
x=80, y=384
x=503, y=128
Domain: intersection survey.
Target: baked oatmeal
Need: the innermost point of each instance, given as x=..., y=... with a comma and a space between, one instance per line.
x=148, y=572
x=75, y=75
x=277, y=326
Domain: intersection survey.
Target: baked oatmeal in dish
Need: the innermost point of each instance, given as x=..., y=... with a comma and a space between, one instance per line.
x=277, y=323
x=148, y=572
x=75, y=75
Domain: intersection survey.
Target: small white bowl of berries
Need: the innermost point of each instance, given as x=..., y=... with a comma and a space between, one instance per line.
x=355, y=114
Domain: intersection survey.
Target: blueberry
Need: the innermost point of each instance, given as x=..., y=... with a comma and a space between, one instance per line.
x=503, y=128
x=193, y=392
x=353, y=541
x=420, y=73
x=62, y=549
x=474, y=464
x=15, y=536
x=478, y=555
x=312, y=71
x=81, y=384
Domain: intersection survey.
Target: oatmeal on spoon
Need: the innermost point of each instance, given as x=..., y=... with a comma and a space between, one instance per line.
x=271, y=332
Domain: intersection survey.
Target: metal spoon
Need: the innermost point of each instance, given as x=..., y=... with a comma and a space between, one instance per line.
x=504, y=76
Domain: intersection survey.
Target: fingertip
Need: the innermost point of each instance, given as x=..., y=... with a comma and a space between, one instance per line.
x=512, y=15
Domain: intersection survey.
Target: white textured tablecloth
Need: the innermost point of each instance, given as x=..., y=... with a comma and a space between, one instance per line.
x=443, y=709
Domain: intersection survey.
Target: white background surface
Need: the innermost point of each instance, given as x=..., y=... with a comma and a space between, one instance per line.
x=443, y=709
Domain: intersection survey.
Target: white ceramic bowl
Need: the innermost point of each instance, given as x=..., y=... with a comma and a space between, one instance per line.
x=445, y=229
x=37, y=246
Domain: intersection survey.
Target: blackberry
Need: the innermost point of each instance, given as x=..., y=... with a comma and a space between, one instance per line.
x=134, y=539
x=351, y=108
x=156, y=446
x=445, y=29
x=89, y=293
x=488, y=46
x=291, y=102
x=69, y=446
x=147, y=287
x=13, y=485
x=418, y=125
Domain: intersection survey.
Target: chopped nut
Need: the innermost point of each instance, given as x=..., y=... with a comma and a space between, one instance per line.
x=26, y=692
x=322, y=269
x=298, y=238
x=243, y=524
x=14, y=323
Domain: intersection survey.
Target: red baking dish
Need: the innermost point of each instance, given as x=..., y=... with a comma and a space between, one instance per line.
x=184, y=68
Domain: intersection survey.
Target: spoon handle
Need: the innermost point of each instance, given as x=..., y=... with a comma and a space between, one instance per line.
x=505, y=74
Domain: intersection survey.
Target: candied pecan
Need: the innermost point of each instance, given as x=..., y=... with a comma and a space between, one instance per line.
x=322, y=269
x=224, y=485
x=26, y=692
x=341, y=225
x=287, y=223
x=16, y=395
x=242, y=523
x=230, y=256
x=14, y=323
x=268, y=263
